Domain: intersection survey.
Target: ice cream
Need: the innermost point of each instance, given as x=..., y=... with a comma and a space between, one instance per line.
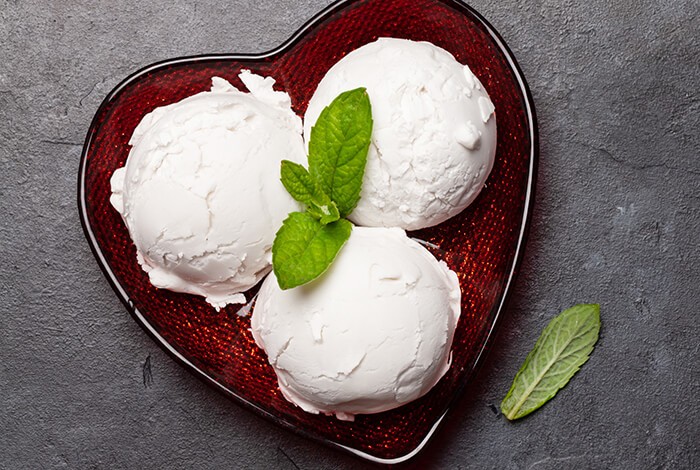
x=434, y=137
x=372, y=333
x=200, y=192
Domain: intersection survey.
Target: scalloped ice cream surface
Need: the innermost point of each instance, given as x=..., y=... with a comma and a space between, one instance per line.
x=434, y=136
x=200, y=192
x=372, y=333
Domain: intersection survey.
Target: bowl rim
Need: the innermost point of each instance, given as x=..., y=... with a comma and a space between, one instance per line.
x=317, y=19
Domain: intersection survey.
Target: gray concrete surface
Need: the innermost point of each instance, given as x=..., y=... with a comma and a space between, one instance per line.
x=617, y=222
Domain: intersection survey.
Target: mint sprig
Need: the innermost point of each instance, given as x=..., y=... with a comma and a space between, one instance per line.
x=304, y=188
x=563, y=347
x=308, y=242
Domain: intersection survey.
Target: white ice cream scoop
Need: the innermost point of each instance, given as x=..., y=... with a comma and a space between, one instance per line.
x=200, y=192
x=434, y=136
x=372, y=333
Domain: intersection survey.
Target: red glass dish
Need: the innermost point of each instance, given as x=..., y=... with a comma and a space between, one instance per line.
x=483, y=244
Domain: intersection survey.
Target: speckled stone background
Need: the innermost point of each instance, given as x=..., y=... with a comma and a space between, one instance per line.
x=617, y=221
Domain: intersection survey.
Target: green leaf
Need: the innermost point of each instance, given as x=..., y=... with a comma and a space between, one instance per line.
x=338, y=148
x=305, y=189
x=561, y=350
x=304, y=248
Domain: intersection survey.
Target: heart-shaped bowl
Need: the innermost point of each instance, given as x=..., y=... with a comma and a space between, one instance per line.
x=483, y=244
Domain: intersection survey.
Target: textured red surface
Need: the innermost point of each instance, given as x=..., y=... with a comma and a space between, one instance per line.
x=480, y=244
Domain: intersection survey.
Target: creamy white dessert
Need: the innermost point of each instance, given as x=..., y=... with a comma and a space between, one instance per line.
x=200, y=192
x=434, y=136
x=372, y=333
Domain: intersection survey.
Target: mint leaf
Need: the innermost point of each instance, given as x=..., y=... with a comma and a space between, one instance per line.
x=302, y=187
x=561, y=350
x=304, y=248
x=338, y=148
